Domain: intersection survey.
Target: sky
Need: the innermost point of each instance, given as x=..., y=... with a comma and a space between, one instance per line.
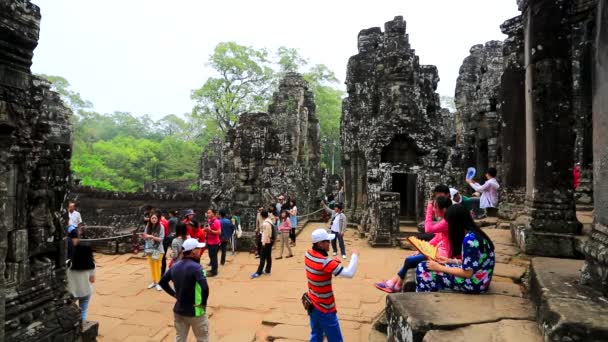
x=145, y=56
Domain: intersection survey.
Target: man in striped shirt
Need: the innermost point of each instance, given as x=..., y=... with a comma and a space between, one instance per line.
x=319, y=271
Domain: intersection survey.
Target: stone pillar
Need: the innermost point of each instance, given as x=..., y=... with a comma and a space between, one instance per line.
x=512, y=110
x=595, y=271
x=383, y=217
x=550, y=225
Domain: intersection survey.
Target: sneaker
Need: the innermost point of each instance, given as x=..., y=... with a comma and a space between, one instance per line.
x=152, y=285
x=158, y=288
x=266, y=273
x=343, y=256
x=383, y=286
x=255, y=275
x=335, y=253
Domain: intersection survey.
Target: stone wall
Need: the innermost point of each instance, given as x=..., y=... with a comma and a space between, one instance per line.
x=170, y=186
x=268, y=154
x=390, y=125
x=35, y=151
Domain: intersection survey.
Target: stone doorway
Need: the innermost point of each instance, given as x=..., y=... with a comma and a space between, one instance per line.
x=405, y=185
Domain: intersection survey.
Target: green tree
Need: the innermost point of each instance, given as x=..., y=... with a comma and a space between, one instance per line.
x=243, y=85
x=71, y=98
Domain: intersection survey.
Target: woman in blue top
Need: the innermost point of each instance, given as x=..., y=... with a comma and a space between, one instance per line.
x=471, y=274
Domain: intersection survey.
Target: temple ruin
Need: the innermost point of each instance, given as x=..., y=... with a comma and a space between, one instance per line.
x=389, y=132
x=266, y=155
x=35, y=134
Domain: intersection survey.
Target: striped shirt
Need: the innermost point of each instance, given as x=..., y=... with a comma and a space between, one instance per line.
x=319, y=270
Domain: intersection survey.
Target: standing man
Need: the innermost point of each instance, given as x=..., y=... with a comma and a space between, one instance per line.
x=489, y=192
x=227, y=232
x=266, y=254
x=338, y=227
x=214, y=230
x=74, y=216
x=259, y=221
x=319, y=271
x=279, y=206
x=191, y=292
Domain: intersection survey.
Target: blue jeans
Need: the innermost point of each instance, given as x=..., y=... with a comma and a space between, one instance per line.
x=410, y=262
x=324, y=324
x=83, y=303
x=339, y=239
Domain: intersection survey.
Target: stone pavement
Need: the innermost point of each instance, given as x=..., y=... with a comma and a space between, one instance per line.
x=241, y=309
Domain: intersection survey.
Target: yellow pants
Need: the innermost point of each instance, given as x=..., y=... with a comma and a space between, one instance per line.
x=155, y=268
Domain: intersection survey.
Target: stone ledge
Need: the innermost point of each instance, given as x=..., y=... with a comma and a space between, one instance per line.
x=544, y=244
x=411, y=315
x=566, y=310
x=503, y=331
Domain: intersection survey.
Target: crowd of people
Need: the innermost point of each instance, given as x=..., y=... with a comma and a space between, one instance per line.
x=464, y=263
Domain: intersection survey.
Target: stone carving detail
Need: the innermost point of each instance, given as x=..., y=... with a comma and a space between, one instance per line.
x=268, y=154
x=35, y=139
x=389, y=130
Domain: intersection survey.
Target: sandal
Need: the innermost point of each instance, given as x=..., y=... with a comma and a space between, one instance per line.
x=383, y=286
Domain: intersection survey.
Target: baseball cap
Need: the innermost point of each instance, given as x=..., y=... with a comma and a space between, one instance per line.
x=453, y=193
x=191, y=244
x=321, y=235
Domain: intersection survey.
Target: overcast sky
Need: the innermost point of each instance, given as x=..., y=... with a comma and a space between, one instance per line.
x=145, y=56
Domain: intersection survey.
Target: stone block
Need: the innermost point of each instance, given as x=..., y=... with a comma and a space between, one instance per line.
x=566, y=310
x=17, y=245
x=539, y=243
x=90, y=331
x=412, y=315
x=502, y=331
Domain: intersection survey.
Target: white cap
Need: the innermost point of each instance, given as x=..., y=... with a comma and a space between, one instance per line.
x=453, y=193
x=191, y=244
x=321, y=235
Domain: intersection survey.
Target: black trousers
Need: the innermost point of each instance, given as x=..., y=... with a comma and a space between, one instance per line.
x=265, y=258
x=292, y=235
x=166, y=244
x=258, y=243
x=213, y=249
x=223, y=257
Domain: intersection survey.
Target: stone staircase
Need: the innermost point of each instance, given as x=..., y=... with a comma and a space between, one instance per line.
x=530, y=299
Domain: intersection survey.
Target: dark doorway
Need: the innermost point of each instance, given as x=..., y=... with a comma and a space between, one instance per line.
x=405, y=185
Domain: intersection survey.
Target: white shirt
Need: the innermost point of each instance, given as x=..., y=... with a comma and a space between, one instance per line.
x=75, y=218
x=79, y=284
x=489, y=193
x=335, y=225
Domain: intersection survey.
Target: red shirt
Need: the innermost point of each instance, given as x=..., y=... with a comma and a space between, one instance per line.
x=214, y=239
x=319, y=270
x=165, y=224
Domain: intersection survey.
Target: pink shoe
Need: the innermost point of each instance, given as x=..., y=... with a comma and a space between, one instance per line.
x=383, y=286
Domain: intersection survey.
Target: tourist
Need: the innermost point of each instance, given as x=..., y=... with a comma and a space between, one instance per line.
x=319, y=271
x=473, y=272
x=489, y=192
x=81, y=276
x=236, y=221
x=278, y=207
x=293, y=216
x=259, y=221
x=227, y=233
x=213, y=231
x=166, y=240
x=457, y=198
x=266, y=253
x=153, y=248
x=191, y=293
x=285, y=230
x=576, y=174
x=188, y=216
x=72, y=242
x=181, y=235
x=193, y=229
x=438, y=208
x=74, y=216
x=338, y=227
x=173, y=221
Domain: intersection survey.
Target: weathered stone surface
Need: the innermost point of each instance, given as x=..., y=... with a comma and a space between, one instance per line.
x=35, y=150
x=513, y=272
x=476, y=98
x=412, y=315
x=384, y=222
x=595, y=272
x=566, y=310
x=502, y=331
x=268, y=154
x=390, y=132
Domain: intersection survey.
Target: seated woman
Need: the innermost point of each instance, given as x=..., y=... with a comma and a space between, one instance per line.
x=440, y=229
x=474, y=274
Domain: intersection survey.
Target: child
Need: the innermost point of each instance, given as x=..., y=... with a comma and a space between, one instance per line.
x=285, y=229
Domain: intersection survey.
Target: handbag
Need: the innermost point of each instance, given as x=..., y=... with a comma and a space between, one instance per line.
x=307, y=303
